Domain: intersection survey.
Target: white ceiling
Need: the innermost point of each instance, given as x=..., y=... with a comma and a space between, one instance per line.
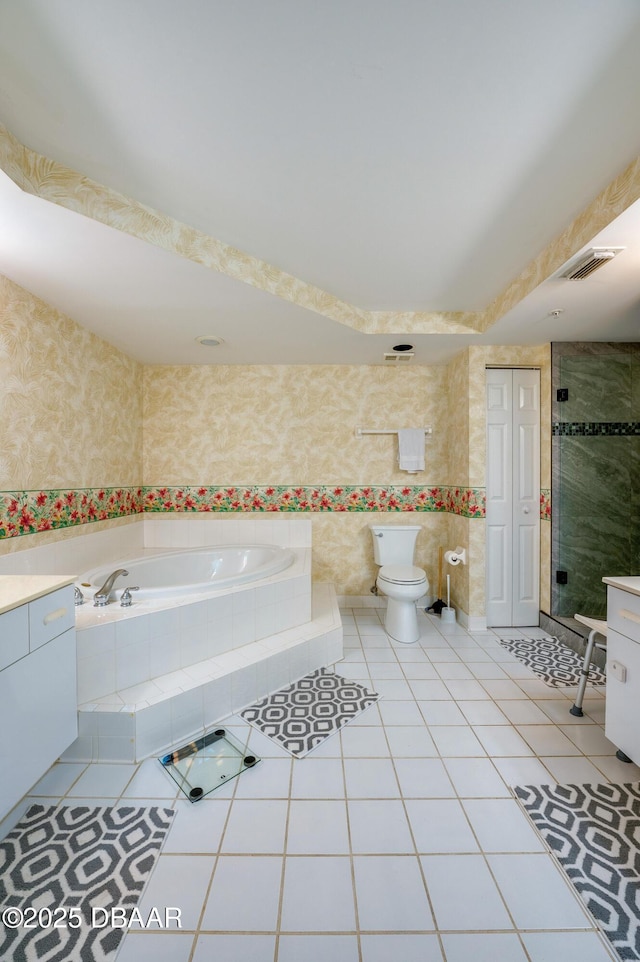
x=402, y=155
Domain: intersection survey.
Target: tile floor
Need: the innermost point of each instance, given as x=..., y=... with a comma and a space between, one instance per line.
x=397, y=840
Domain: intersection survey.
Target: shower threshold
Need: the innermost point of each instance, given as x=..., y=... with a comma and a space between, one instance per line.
x=207, y=763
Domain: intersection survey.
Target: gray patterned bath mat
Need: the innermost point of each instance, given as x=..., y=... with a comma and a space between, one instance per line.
x=71, y=877
x=555, y=664
x=300, y=716
x=594, y=831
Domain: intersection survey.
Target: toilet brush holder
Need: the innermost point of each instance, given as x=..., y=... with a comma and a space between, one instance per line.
x=448, y=616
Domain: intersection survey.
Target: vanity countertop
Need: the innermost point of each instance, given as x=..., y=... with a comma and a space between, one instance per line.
x=17, y=590
x=625, y=584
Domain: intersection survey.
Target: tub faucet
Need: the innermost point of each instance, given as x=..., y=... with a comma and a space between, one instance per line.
x=103, y=596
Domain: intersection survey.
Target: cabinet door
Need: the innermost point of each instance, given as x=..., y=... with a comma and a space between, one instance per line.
x=38, y=715
x=50, y=615
x=14, y=635
x=622, y=712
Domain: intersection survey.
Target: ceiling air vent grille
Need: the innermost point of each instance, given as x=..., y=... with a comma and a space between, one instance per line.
x=391, y=357
x=589, y=262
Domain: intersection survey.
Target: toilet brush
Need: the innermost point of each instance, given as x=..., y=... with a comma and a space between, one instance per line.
x=447, y=614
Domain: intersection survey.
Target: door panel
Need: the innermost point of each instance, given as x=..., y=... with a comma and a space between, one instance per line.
x=513, y=495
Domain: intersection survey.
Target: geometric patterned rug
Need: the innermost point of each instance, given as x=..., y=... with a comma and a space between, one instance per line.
x=300, y=716
x=594, y=831
x=63, y=869
x=552, y=661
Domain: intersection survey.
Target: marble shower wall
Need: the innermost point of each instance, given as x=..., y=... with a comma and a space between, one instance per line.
x=596, y=472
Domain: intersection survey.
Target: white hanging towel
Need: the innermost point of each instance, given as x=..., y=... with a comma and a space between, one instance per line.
x=411, y=449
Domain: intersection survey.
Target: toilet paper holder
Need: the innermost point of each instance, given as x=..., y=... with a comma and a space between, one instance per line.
x=459, y=556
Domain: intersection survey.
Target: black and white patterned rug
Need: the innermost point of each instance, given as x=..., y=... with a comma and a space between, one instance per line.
x=300, y=716
x=555, y=664
x=68, y=873
x=594, y=830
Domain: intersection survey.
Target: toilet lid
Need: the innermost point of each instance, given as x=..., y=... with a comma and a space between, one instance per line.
x=402, y=574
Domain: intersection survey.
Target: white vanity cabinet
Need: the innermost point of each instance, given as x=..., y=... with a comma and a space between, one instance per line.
x=38, y=697
x=622, y=711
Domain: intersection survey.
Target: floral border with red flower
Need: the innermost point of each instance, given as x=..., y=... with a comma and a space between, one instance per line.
x=545, y=504
x=469, y=502
x=30, y=512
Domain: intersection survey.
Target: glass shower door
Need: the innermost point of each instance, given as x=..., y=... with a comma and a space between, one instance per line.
x=596, y=484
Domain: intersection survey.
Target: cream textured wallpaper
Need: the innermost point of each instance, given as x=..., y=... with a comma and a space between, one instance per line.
x=289, y=424
x=70, y=404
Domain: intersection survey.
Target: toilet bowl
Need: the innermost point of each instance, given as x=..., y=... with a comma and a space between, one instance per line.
x=399, y=579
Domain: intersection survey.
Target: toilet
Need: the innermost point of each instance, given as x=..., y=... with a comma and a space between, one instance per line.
x=398, y=578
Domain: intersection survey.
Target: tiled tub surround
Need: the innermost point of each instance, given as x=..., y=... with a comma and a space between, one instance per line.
x=177, y=705
x=121, y=648
x=161, y=672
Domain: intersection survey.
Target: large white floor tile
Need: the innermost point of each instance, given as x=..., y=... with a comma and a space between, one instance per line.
x=103, y=779
x=180, y=881
x=484, y=947
x=400, y=713
x=537, y=895
x=408, y=948
x=156, y=947
x=476, y=778
x=254, y=827
x=379, y=826
x=197, y=828
x=371, y=778
x=317, y=827
x=440, y=825
x=442, y=712
x=501, y=740
x=424, y=778
x=547, y=740
x=316, y=777
x=456, y=741
x=271, y=778
x=500, y=825
x=364, y=742
x=413, y=741
x=390, y=894
x=234, y=948
x=229, y=907
x=318, y=895
x=584, y=946
x=463, y=893
x=315, y=948
x=482, y=713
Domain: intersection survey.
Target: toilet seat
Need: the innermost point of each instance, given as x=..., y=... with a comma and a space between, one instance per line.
x=402, y=574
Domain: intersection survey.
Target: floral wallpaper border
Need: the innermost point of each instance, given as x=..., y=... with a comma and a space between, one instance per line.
x=30, y=512
x=469, y=502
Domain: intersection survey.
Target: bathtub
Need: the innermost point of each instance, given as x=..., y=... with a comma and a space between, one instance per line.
x=193, y=605
x=176, y=574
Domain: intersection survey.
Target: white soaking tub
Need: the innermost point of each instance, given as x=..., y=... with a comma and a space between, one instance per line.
x=173, y=574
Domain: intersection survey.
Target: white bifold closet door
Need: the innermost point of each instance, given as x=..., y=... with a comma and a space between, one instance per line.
x=513, y=497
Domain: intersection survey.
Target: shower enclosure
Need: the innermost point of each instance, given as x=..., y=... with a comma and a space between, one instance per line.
x=595, y=485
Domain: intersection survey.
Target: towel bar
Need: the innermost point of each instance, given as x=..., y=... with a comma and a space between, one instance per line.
x=360, y=432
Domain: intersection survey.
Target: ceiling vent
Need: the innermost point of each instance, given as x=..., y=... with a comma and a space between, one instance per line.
x=392, y=357
x=589, y=262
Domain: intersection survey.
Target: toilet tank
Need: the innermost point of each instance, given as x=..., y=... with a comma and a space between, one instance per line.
x=394, y=544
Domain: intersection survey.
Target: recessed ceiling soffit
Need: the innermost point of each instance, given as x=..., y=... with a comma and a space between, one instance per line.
x=53, y=182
